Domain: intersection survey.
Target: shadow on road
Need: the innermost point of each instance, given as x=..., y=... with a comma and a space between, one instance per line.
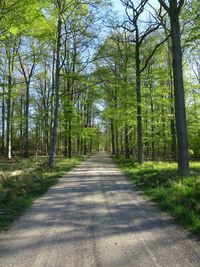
x=95, y=202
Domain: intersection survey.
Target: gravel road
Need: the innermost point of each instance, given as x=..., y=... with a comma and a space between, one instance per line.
x=95, y=217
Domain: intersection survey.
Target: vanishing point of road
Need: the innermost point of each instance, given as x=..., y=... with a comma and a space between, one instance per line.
x=95, y=217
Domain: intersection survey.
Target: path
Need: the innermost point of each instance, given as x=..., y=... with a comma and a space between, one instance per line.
x=95, y=217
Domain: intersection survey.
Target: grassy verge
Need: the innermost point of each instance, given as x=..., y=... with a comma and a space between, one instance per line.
x=160, y=181
x=21, y=182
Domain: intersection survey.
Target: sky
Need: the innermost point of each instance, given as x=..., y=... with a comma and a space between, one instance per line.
x=117, y=4
x=120, y=8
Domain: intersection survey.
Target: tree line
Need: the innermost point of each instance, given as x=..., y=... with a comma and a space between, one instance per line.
x=150, y=70
x=47, y=93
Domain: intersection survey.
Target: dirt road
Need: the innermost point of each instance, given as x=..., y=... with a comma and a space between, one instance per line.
x=95, y=217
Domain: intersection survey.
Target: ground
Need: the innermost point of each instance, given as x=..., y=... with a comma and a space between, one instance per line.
x=94, y=216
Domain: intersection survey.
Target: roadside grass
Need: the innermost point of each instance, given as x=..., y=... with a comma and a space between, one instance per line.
x=32, y=179
x=160, y=181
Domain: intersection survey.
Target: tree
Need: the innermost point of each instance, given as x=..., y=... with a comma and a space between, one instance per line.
x=138, y=34
x=12, y=44
x=27, y=65
x=173, y=9
x=61, y=5
x=114, y=68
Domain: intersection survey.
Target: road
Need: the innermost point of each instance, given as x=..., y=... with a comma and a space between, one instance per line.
x=95, y=217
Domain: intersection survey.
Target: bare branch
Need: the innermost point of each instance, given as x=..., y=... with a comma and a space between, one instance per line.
x=153, y=52
x=164, y=5
x=180, y=5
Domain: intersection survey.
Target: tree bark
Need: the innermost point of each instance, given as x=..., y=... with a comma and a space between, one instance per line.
x=181, y=127
x=153, y=145
x=139, y=103
x=26, y=154
x=172, y=120
x=117, y=141
x=57, y=96
x=3, y=123
x=9, y=135
x=126, y=138
x=121, y=144
x=112, y=137
x=70, y=137
x=21, y=124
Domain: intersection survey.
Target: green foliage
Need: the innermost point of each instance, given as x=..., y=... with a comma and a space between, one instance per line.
x=191, y=15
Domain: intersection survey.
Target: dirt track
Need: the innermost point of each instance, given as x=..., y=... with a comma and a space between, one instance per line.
x=95, y=217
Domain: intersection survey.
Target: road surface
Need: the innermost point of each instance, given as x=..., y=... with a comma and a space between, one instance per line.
x=95, y=217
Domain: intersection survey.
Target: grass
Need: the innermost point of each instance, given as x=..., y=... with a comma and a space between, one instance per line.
x=22, y=181
x=160, y=181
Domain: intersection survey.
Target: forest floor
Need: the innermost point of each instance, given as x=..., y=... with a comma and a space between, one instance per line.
x=160, y=181
x=23, y=180
x=94, y=216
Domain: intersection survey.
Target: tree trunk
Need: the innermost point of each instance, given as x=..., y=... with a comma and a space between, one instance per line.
x=117, y=141
x=147, y=139
x=26, y=154
x=181, y=127
x=36, y=138
x=121, y=144
x=9, y=135
x=53, y=91
x=173, y=129
x=46, y=117
x=85, y=146
x=112, y=137
x=66, y=145
x=57, y=96
x=78, y=142
x=171, y=96
x=21, y=125
x=3, y=123
x=70, y=137
x=126, y=138
x=153, y=146
x=139, y=104
x=163, y=131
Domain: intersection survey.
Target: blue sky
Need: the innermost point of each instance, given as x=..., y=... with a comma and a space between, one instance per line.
x=120, y=8
x=117, y=3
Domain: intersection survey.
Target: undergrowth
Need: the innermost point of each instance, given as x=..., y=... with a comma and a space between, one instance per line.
x=18, y=192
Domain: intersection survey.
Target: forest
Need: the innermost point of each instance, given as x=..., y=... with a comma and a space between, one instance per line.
x=77, y=77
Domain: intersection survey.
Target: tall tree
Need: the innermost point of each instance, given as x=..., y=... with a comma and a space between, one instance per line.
x=133, y=25
x=12, y=44
x=60, y=6
x=27, y=67
x=173, y=8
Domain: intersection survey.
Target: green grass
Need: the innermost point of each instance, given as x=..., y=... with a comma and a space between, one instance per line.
x=160, y=181
x=32, y=179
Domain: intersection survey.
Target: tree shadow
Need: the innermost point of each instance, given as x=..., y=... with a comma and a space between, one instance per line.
x=91, y=206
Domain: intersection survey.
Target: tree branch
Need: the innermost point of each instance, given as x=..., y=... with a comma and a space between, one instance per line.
x=153, y=52
x=181, y=3
x=164, y=5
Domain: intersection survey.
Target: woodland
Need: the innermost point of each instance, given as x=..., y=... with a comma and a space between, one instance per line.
x=78, y=77
x=67, y=88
